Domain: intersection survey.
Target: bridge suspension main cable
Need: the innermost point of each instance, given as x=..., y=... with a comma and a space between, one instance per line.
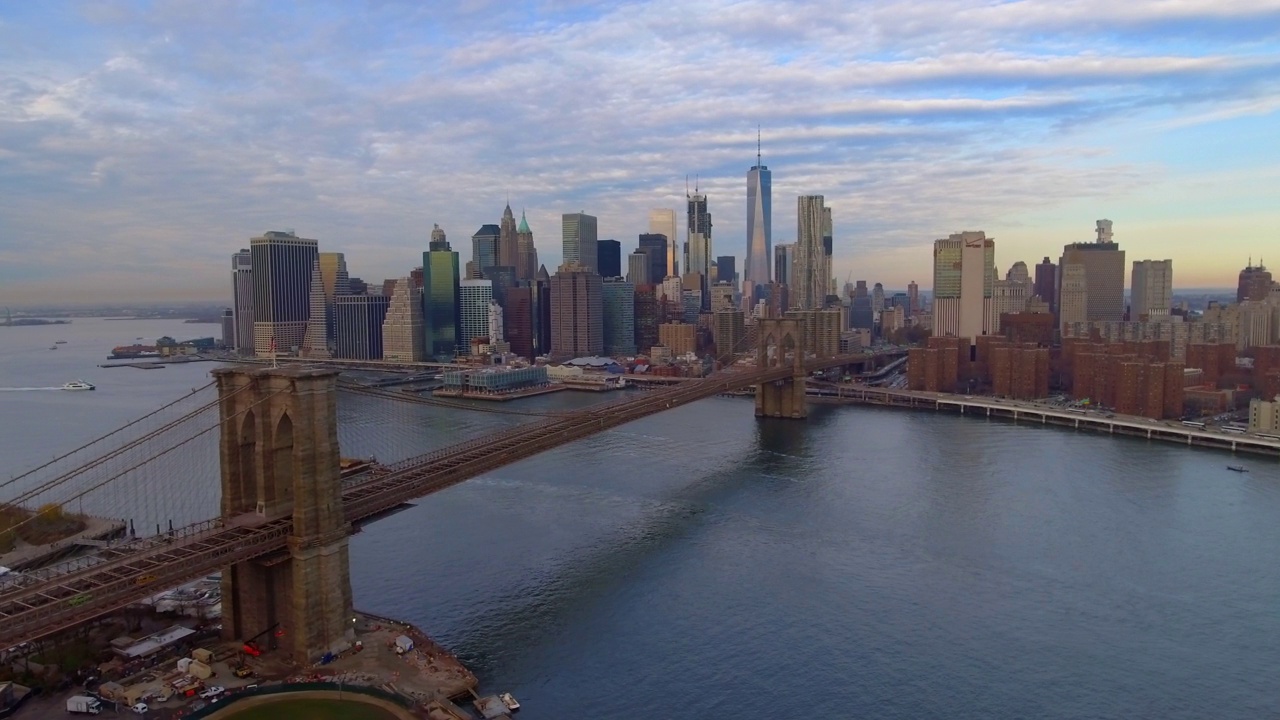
x=117, y=475
x=95, y=441
x=45, y=487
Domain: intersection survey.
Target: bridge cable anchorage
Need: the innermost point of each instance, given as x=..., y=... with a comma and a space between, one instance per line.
x=112, y=478
x=95, y=441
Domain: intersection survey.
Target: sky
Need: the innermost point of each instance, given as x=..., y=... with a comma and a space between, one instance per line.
x=142, y=143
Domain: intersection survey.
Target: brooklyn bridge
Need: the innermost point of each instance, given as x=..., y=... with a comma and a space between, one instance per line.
x=285, y=508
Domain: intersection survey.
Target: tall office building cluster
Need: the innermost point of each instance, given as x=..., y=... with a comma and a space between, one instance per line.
x=493, y=295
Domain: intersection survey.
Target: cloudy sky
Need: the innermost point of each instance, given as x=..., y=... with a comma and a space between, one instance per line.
x=141, y=143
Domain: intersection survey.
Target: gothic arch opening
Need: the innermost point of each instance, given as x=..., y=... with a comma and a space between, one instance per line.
x=769, y=346
x=281, y=487
x=244, y=489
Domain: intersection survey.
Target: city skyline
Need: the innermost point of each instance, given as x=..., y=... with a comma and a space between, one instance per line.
x=153, y=139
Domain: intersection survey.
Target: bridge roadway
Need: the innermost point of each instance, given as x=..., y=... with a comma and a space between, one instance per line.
x=78, y=591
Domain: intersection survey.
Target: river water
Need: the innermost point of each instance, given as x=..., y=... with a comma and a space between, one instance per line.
x=865, y=563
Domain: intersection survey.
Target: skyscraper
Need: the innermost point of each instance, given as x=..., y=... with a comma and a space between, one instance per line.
x=508, y=244
x=618, y=302
x=579, y=238
x=755, y=264
x=1047, y=283
x=228, y=328
x=657, y=247
x=473, y=311
x=485, y=246
x=1254, y=282
x=281, y=268
x=358, y=323
x=577, y=323
x=440, y=299
x=242, y=306
x=697, y=250
x=542, y=312
x=647, y=316
x=638, y=268
x=809, y=273
x=783, y=259
x=526, y=253
x=609, y=258
x=1151, y=289
x=828, y=241
x=913, y=298
x=726, y=269
x=402, y=329
x=518, y=316
x=663, y=222
x=963, y=273
x=1102, y=274
x=729, y=332
x=328, y=280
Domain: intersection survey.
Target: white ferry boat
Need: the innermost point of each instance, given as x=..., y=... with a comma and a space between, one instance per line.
x=78, y=385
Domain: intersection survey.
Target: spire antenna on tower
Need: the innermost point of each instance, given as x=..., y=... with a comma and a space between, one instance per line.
x=757, y=145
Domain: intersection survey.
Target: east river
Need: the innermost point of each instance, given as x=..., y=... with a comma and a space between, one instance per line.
x=865, y=563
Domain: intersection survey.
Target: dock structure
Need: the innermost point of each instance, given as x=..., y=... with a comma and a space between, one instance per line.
x=1027, y=411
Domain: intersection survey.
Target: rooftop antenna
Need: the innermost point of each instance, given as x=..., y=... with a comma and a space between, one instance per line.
x=686, y=185
x=757, y=145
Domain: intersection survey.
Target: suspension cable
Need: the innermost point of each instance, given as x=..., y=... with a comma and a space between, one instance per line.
x=68, y=476
x=126, y=426
x=147, y=460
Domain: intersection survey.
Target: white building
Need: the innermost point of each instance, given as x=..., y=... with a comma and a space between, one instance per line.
x=473, y=308
x=1151, y=289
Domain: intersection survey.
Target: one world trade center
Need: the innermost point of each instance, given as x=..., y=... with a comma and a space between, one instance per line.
x=755, y=266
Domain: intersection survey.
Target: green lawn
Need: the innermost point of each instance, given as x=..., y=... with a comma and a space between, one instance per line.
x=314, y=710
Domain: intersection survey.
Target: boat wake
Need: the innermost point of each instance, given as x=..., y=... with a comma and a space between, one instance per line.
x=34, y=389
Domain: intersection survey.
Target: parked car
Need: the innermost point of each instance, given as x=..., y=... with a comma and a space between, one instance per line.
x=140, y=708
x=212, y=692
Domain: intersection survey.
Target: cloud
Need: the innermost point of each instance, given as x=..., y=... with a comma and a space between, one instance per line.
x=159, y=141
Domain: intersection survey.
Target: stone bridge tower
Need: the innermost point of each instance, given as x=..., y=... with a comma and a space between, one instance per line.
x=781, y=344
x=279, y=456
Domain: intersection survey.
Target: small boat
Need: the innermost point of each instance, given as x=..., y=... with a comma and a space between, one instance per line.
x=60, y=342
x=1238, y=468
x=53, y=347
x=78, y=385
x=509, y=701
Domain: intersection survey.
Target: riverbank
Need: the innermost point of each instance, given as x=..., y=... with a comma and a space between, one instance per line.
x=499, y=397
x=1027, y=411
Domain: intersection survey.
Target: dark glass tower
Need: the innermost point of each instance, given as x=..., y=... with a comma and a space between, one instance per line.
x=609, y=258
x=441, y=299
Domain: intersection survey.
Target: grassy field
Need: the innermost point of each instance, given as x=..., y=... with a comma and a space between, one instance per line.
x=314, y=710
